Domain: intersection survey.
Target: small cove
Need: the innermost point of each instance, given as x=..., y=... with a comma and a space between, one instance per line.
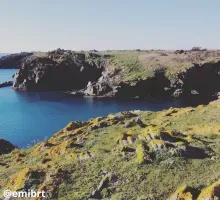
x=28, y=117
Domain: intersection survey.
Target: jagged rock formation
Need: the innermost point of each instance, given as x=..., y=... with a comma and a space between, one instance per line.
x=128, y=155
x=122, y=74
x=58, y=70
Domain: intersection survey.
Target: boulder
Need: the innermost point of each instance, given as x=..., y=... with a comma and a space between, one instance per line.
x=182, y=193
x=194, y=92
x=179, y=51
x=24, y=178
x=178, y=93
x=100, y=88
x=210, y=192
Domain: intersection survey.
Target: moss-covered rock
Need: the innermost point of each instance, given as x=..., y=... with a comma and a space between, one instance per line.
x=156, y=145
x=182, y=193
x=18, y=180
x=211, y=192
x=141, y=153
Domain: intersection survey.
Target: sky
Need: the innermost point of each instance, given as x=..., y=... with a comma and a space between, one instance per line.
x=43, y=25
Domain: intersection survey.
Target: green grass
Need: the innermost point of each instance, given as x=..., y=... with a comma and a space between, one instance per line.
x=112, y=152
x=130, y=66
x=138, y=65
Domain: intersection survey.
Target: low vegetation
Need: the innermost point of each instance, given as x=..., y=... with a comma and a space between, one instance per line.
x=172, y=154
x=142, y=64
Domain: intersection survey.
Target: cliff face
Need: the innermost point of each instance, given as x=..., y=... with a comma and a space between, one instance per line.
x=172, y=154
x=126, y=74
x=58, y=70
x=13, y=61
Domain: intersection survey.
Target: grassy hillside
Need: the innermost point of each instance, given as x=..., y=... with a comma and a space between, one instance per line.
x=137, y=65
x=132, y=155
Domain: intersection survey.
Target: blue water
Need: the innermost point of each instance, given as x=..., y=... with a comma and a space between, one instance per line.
x=6, y=75
x=26, y=117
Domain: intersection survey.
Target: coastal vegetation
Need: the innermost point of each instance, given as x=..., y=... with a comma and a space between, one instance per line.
x=120, y=74
x=172, y=154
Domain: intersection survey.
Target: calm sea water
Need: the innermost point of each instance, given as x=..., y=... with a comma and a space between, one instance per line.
x=29, y=116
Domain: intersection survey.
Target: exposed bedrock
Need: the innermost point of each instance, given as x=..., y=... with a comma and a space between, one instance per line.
x=58, y=70
x=150, y=88
x=203, y=79
x=200, y=81
x=13, y=61
x=93, y=74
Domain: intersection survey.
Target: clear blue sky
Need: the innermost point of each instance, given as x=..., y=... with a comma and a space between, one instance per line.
x=27, y=25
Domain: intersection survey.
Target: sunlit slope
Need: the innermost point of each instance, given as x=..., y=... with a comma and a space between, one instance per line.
x=132, y=155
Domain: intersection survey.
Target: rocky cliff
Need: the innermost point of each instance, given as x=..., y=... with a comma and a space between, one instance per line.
x=172, y=154
x=122, y=74
x=59, y=70
x=13, y=61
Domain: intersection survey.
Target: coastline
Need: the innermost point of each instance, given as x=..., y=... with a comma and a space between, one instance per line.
x=112, y=149
x=122, y=74
x=138, y=140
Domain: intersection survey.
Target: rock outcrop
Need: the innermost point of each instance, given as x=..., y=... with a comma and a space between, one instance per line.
x=179, y=74
x=210, y=192
x=182, y=193
x=200, y=81
x=6, y=84
x=58, y=70
x=5, y=147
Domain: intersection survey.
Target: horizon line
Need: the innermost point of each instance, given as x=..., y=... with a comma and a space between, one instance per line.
x=103, y=50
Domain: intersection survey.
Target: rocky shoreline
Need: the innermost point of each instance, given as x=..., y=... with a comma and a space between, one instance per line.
x=6, y=84
x=120, y=74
